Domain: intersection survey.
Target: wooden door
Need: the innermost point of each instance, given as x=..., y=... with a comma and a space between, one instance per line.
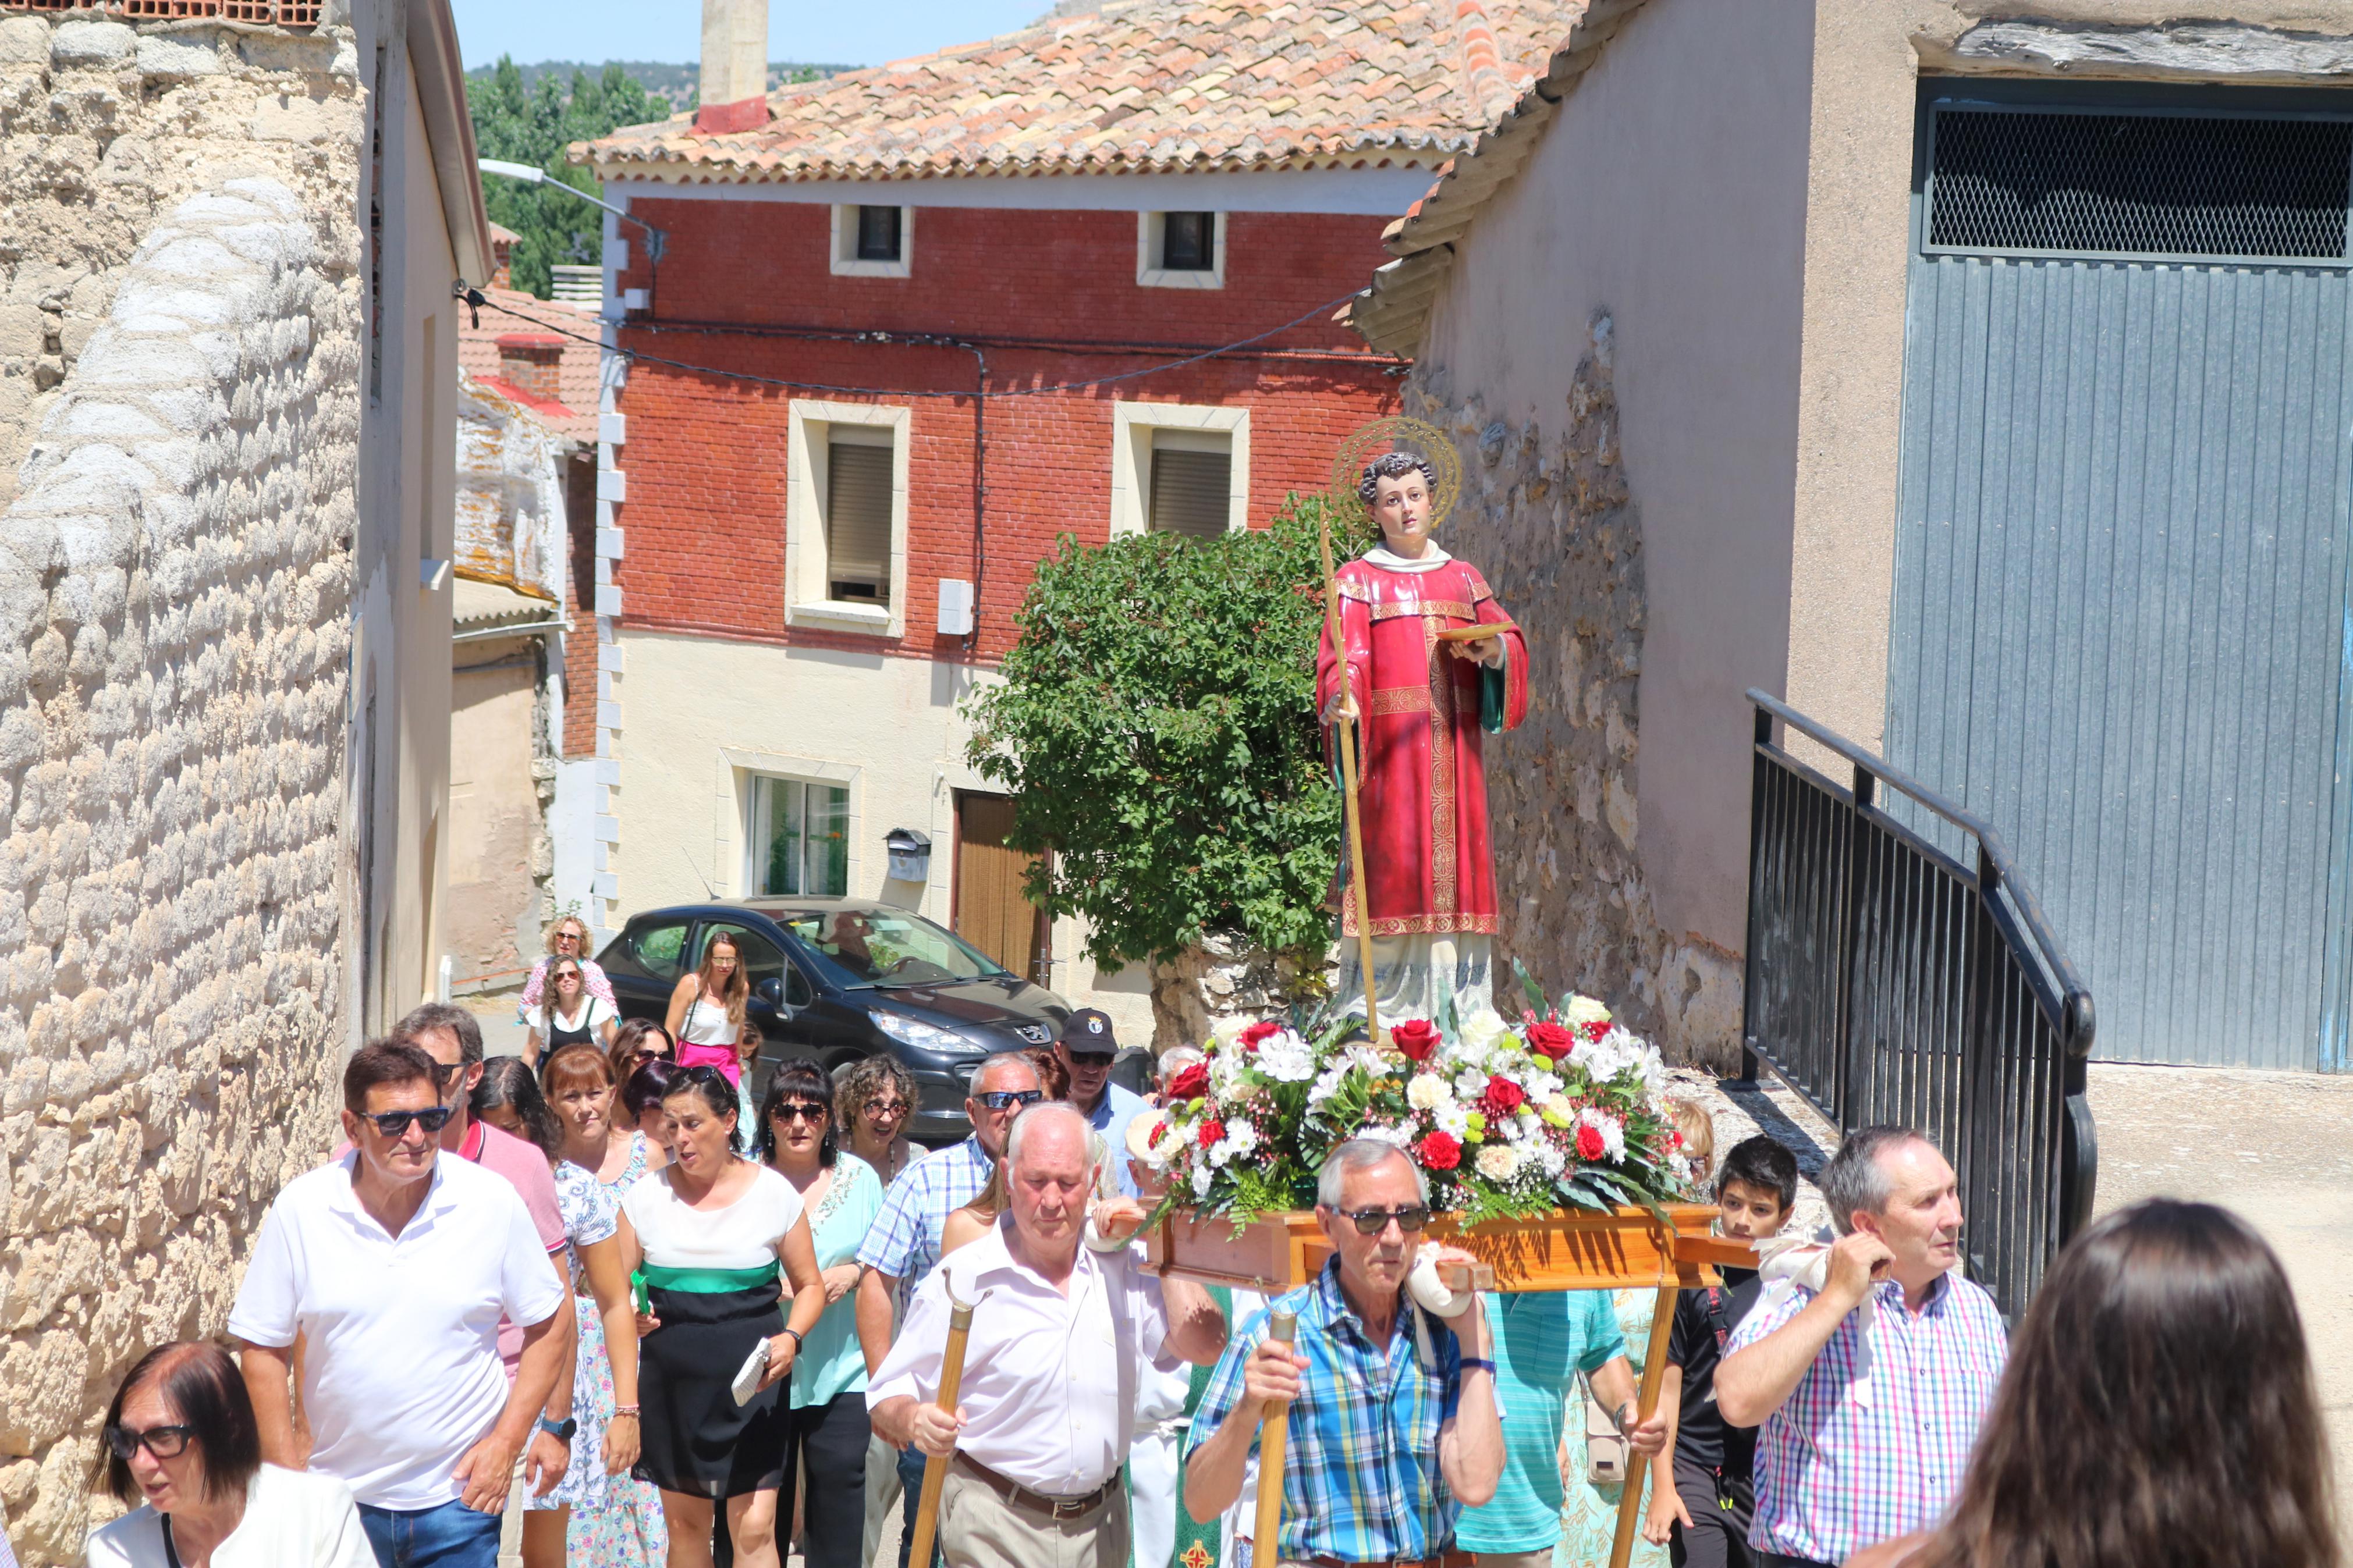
x=990, y=911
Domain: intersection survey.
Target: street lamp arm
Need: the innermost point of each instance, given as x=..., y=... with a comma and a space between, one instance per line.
x=530, y=175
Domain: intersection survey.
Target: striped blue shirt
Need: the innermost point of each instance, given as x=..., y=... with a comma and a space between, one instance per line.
x=905, y=1240
x=1360, y=1476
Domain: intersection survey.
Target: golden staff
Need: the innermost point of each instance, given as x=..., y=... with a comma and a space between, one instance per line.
x=1274, y=1428
x=1655, y=1369
x=935, y=1468
x=1348, y=779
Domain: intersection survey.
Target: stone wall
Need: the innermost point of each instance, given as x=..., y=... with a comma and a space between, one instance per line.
x=179, y=341
x=1556, y=529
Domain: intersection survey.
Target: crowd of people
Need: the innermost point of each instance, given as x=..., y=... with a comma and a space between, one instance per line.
x=596, y=1306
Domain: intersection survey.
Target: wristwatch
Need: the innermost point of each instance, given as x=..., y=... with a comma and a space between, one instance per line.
x=560, y=1430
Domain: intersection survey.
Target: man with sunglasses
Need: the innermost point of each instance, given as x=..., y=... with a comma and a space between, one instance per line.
x=1394, y=1426
x=1087, y=1047
x=900, y=1251
x=394, y=1267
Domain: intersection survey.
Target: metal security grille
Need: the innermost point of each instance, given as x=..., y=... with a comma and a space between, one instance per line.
x=857, y=523
x=2152, y=184
x=1191, y=491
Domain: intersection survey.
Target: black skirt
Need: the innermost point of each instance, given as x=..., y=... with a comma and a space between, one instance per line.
x=697, y=1439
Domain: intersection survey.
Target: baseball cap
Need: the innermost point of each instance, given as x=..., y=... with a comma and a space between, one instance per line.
x=1089, y=1029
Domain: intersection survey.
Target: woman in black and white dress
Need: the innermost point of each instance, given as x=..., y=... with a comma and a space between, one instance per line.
x=716, y=1234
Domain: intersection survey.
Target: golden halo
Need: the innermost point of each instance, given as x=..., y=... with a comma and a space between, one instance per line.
x=1397, y=433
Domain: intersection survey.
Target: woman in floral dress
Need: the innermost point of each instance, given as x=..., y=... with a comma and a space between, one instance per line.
x=616, y=1519
x=1588, y=1513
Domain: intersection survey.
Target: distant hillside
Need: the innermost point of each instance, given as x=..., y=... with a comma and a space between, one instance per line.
x=673, y=85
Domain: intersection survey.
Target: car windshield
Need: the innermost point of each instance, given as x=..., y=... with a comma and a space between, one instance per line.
x=883, y=948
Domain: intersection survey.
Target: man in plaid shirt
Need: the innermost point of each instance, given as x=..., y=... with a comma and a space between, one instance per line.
x=1867, y=1416
x=1394, y=1427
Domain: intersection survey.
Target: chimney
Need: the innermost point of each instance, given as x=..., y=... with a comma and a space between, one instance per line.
x=533, y=362
x=734, y=67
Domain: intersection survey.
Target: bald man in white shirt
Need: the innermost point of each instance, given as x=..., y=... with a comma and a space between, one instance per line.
x=1047, y=1412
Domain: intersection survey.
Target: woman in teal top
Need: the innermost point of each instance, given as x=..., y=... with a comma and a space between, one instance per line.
x=826, y=1426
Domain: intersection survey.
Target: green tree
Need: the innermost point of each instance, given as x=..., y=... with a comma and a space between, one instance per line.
x=533, y=125
x=1156, y=728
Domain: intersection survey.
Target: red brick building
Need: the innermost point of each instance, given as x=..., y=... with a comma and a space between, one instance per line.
x=904, y=328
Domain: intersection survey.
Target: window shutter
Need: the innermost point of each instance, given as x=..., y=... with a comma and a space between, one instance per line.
x=1191, y=491
x=857, y=522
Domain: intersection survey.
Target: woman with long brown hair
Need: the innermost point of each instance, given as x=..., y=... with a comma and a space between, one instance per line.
x=706, y=1019
x=2158, y=1412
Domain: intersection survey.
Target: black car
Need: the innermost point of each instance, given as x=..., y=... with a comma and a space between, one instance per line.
x=835, y=980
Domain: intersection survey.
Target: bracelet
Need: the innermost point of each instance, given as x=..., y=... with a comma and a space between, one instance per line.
x=797, y=1340
x=1482, y=1362
x=621, y=1410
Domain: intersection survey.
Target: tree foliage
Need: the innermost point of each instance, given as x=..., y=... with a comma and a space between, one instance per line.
x=533, y=125
x=1157, y=728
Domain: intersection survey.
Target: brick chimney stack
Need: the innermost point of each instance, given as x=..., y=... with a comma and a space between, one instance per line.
x=734, y=67
x=533, y=362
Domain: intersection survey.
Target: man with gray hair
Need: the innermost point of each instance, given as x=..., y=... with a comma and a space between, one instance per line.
x=1046, y=1415
x=1394, y=1427
x=1871, y=1387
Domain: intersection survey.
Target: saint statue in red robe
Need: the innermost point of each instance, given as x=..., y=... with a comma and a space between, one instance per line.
x=1424, y=705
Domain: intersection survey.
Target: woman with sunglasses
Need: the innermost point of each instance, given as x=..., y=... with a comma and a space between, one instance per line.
x=828, y=1400
x=876, y=1098
x=716, y=1234
x=182, y=1449
x=567, y=1015
x=636, y=1042
x=567, y=938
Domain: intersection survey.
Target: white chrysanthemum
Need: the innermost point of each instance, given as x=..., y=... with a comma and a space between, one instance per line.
x=1452, y=1118
x=1240, y=1139
x=1550, y=1157
x=1201, y=1180
x=1527, y=1124
x=1397, y=1137
x=1428, y=1091
x=1584, y=1010
x=1499, y=1161
x=1612, y=1131
x=1286, y=1058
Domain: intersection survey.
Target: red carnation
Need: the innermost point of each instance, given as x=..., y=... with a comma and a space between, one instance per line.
x=1551, y=1041
x=1212, y=1132
x=1259, y=1031
x=1589, y=1143
x=1439, y=1152
x=1502, y=1097
x=1418, y=1038
x=1159, y=1131
x=1595, y=1029
x=1190, y=1084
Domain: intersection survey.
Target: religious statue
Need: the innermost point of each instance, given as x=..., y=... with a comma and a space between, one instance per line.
x=1433, y=664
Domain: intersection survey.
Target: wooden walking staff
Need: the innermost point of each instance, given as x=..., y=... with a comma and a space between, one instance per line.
x=1348, y=783
x=1273, y=1431
x=1654, y=1371
x=935, y=1468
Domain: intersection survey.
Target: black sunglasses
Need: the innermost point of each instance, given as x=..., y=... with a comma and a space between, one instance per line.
x=998, y=1098
x=1372, y=1222
x=799, y=1110
x=163, y=1442
x=1090, y=1059
x=395, y=1124
x=701, y=1072
x=446, y=1073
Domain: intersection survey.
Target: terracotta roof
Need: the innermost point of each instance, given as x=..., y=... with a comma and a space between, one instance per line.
x=1393, y=312
x=1149, y=86
x=574, y=417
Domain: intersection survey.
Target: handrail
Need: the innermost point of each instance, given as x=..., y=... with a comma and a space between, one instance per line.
x=2077, y=1018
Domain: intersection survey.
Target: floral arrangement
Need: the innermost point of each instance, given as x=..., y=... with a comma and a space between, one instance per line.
x=1506, y=1120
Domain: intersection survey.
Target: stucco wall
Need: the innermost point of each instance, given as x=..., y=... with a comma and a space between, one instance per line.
x=1668, y=197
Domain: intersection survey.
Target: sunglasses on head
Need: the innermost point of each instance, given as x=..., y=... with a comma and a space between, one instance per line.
x=1372, y=1222
x=998, y=1098
x=163, y=1442
x=395, y=1124
x=799, y=1110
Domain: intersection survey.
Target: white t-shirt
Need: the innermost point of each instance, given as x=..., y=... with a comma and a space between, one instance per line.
x=402, y=1373
x=743, y=1235
x=595, y=1013
x=292, y=1520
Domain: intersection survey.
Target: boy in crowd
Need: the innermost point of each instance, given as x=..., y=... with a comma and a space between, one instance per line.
x=1705, y=1516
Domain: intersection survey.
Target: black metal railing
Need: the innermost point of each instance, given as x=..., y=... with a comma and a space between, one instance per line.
x=1888, y=981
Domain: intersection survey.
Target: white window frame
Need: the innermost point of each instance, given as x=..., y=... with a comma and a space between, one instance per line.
x=844, y=249
x=738, y=790
x=810, y=426
x=1149, y=227
x=1131, y=458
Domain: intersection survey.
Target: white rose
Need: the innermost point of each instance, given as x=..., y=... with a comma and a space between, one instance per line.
x=1428, y=1091
x=1481, y=1028
x=1499, y=1161
x=1201, y=1179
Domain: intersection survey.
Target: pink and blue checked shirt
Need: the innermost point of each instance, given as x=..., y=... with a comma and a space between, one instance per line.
x=1849, y=1460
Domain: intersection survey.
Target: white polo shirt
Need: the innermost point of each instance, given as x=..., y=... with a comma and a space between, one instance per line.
x=401, y=1372
x=1049, y=1380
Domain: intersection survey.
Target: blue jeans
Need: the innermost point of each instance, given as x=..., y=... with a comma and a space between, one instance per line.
x=910, y=1498
x=450, y=1536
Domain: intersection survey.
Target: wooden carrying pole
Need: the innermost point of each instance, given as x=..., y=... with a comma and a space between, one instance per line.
x=1654, y=1371
x=935, y=1468
x=1274, y=1429
x=1347, y=743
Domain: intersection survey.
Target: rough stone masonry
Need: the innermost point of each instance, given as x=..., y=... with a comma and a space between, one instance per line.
x=179, y=341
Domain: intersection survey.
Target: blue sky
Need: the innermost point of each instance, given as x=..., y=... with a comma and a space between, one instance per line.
x=863, y=32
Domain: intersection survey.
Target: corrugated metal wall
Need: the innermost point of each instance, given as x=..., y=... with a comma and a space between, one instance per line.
x=2120, y=624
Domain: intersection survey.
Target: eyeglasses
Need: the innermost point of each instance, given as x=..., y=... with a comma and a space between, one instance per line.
x=163, y=1442
x=1090, y=1059
x=1372, y=1222
x=567, y=936
x=998, y=1098
x=650, y=1054
x=886, y=1108
x=395, y=1124
x=799, y=1110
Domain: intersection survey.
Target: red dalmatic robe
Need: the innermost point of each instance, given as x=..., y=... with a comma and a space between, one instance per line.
x=1422, y=793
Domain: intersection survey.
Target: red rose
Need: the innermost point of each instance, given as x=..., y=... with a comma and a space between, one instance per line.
x=1439, y=1152
x=1190, y=1084
x=1212, y=1132
x=1551, y=1041
x=1259, y=1031
x=1502, y=1097
x=1589, y=1143
x=1159, y=1131
x=1418, y=1038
